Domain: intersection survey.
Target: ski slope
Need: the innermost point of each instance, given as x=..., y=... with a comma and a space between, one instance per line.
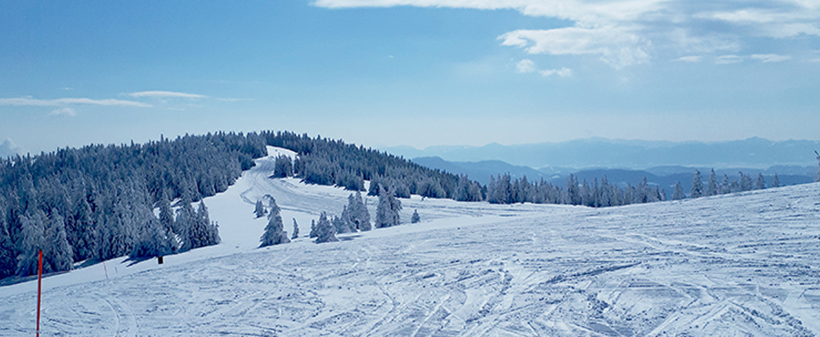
x=730, y=265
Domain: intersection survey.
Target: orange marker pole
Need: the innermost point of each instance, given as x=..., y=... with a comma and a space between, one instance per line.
x=39, y=290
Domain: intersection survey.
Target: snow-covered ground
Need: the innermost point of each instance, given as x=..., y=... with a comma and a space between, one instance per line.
x=745, y=265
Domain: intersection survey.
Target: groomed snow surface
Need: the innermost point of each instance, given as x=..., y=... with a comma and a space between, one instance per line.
x=731, y=265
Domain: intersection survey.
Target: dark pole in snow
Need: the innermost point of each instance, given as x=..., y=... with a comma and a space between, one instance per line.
x=39, y=289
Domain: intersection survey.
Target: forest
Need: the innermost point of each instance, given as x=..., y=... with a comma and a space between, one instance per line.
x=99, y=202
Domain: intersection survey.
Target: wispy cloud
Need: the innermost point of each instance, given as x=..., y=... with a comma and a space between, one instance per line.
x=625, y=33
x=164, y=94
x=64, y=112
x=525, y=66
x=690, y=59
x=28, y=101
x=728, y=59
x=769, y=58
x=563, y=72
x=617, y=47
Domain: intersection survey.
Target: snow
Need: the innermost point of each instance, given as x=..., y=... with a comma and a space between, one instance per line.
x=746, y=264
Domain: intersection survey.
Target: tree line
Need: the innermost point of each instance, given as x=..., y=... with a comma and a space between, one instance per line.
x=98, y=202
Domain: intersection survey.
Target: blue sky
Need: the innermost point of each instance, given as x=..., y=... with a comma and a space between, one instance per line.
x=409, y=72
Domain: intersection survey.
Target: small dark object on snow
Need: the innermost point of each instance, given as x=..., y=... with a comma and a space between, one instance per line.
x=159, y=259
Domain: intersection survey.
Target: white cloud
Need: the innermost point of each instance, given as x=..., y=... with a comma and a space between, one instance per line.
x=64, y=112
x=28, y=101
x=621, y=32
x=617, y=47
x=8, y=148
x=563, y=72
x=525, y=66
x=690, y=59
x=777, y=22
x=164, y=94
x=728, y=59
x=769, y=58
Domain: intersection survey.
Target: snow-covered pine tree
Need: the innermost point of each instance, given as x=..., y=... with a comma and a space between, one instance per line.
x=678, y=194
x=573, y=195
x=201, y=231
x=817, y=175
x=57, y=253
x=275, y=230
x=259, y=210
x=760, y=183
x=775, y=181
x=80, y=223
x=184, y=223
x=153, y=241
x=697, y=186
x=313, y=232
x=340, y=224
x=712, y=186
x=32, y=240
x=166, y=226
x=282, y=167
x=325, y=231
x=745, y=182
x=415, y=218
x=7, y=253
x=387, y=214
x=357, y=211
x=295, y=229
x=725, y=187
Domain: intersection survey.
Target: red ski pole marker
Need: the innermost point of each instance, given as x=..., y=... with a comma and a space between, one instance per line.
x=39, y=289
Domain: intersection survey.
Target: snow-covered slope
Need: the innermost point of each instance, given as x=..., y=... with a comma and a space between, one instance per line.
x=730, y=265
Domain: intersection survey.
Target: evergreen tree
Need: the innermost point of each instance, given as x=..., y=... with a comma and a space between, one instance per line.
x=295, y=230
x=82, y=230
x=275, y=230
x=817, y=175
x=340, y=225
x=259, y=210
x=165, y=230
x=357, y=214
x=282, y=167
x=760, y=184
x=775, y=181
x=201, y=231
x=573, y=196
x=678, y=194
x=745, y=182
x=32, y=240
x=697, y=186
x=712, y=187
x=325, y=231
x=415, y=218
x=185, y=222
x=387, y=214
x=153, y=241
x=57, y=253
x=725, y=187
x=313, y=232
x=7, y=253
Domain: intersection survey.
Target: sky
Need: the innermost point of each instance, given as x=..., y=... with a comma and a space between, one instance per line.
x=408, y=72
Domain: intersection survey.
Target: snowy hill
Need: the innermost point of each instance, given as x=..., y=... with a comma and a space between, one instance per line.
x=746, y=264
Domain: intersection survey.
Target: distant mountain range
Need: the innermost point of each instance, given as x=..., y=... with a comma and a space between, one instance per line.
x=663, y=176
x=755, y=153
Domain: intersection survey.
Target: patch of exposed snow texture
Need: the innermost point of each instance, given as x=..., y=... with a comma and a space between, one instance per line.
x=744, y=264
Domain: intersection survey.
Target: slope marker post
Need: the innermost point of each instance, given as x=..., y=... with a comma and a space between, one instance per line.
x=39, y=289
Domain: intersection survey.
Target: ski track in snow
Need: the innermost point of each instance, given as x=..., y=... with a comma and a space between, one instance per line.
x=746, y=265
